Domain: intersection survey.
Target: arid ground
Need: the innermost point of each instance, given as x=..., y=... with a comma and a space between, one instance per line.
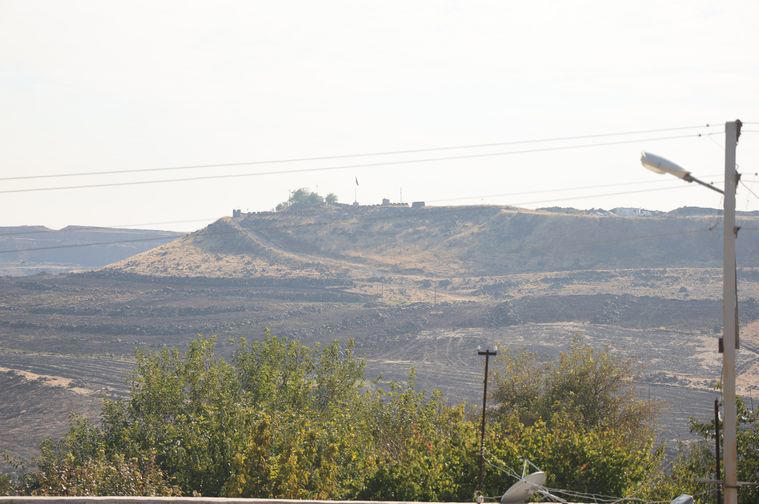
x=423, y=295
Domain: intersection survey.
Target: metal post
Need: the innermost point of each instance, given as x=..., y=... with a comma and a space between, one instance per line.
x=716, y=442
x=729, y=318
x=487, y=353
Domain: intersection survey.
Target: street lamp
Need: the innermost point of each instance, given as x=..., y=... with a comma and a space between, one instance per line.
x=661, y=166
x=729, y=293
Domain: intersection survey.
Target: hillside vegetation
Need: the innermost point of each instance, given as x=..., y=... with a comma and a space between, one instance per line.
x=284, y=420
x=281, y=419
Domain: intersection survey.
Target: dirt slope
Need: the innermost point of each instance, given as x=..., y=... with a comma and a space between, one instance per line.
x=440, y=241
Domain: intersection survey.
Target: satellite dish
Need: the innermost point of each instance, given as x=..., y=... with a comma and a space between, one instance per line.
x=683, y=499
x=522, y=490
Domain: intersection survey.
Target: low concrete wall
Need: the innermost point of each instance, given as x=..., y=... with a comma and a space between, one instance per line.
x=187, y=500
x=178, y=500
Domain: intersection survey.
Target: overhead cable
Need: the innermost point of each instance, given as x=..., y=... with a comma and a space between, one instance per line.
x=540, y=191
x=114, y=227
x=457, y=198
x=353, y=166
x=569, y=198
x=280, y=226
x=365, y=154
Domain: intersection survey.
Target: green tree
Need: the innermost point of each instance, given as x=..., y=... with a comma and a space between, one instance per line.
x=303, y=198
x=695, y=465
x=425, y=449
x=284, y=420
x=578, y=418
x=6, y=485
x=591, y=386
x=81, y=464
x=331, y=199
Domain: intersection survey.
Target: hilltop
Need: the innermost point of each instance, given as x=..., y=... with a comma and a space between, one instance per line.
x=356, y=242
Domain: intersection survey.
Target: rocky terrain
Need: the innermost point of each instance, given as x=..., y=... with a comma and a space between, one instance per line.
x=415, y=288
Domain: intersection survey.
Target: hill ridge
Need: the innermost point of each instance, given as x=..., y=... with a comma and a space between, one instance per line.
x=467, y=240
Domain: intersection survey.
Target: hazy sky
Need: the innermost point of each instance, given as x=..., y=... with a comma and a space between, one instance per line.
x=104, y=85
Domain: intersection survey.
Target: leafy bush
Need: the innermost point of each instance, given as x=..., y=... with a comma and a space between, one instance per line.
x=82, y=464
x=283, y=420
x=695, y=466
x=303, y=198
x=590, y=386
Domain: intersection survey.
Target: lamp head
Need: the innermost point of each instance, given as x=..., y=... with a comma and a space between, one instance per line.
x=658, y=164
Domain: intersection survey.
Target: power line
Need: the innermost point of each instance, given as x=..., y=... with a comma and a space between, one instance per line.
x=211, y=219
x=587, y=196
x=313, y=224
x=722, y=147
x=354, y=166
x=458, y=198
x=111, y=227
x=81, y=245
x=219, y=233
x=344, y=156
x=749, y=189
x=578, y=188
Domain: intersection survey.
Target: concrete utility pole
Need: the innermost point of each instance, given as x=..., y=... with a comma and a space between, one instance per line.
x=730, y=315
x=729, y=341
x=487, y=353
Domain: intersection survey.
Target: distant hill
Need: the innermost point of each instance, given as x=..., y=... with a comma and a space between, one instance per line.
x=362, y=241
x=60, y=250
x=414, y=288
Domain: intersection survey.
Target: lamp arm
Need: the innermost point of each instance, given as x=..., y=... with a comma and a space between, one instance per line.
x=691, y=178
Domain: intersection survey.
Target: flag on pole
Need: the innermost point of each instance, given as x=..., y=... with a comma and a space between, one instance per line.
x=356, y=180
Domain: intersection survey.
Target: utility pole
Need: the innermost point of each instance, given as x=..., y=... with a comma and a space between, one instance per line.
x=487, y=353
x=730, y=314
x=729, y=342
x=716, y=442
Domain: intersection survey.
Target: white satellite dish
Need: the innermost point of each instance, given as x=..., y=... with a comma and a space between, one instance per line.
x=522, y=490
x=683, y=499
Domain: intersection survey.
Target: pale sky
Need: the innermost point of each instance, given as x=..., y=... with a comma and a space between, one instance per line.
x=105, y=85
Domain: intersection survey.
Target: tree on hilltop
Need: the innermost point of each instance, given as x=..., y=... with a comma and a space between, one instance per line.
x=304, y=198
